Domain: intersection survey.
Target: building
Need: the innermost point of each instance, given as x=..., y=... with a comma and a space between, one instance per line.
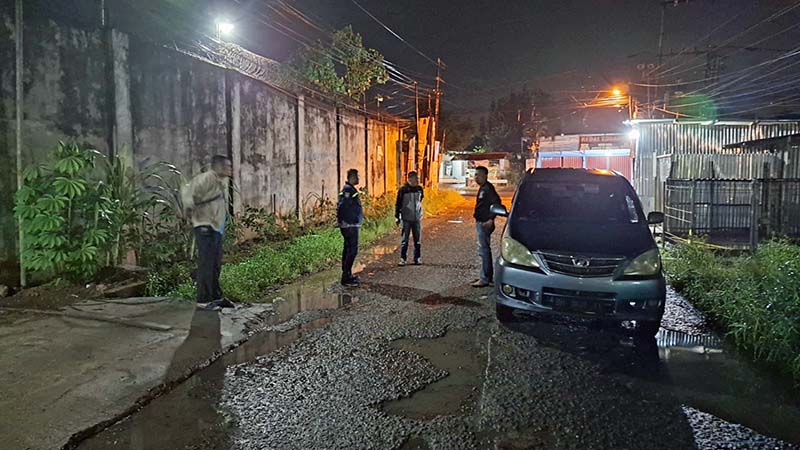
x=612, y=151
x=697, y=149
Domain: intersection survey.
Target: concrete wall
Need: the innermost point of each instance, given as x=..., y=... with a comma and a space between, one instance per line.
x=65, y=99
x=267, y=162
x=177, y=108
x=319, y=169
x=117, y=93
x=376, y=133
x=352, y=143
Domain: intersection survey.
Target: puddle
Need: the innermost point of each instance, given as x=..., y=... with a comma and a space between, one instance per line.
x=440, y=300
x=187, y=417
x=699, y=370
x=460, y=353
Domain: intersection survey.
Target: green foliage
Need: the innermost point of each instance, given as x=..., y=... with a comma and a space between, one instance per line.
x=80, y=210
x=343, y=66
x=67, y=214
x=280, y=261
x=166, y=278
x=756, y=297
x=146, y=202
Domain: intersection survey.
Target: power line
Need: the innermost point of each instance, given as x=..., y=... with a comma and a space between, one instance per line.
x=393, y=33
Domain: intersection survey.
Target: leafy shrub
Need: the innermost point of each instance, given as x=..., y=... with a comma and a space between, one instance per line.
x=755, y=297
x=165, y=279
x=67, y=214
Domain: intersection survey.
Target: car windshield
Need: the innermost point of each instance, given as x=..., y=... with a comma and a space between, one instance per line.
x=600, y=202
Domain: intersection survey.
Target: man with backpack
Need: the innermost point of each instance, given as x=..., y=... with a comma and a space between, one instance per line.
x=408, y=210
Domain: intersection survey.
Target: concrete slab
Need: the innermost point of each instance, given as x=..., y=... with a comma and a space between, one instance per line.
x=61, y=375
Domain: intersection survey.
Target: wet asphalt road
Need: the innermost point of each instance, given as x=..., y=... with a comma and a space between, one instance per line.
x=416, y=360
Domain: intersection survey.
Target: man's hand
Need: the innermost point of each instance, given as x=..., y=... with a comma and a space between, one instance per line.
x=397, y=221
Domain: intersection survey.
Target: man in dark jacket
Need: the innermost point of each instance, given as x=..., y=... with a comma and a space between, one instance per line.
x=350, y=215
x=408, y=209
x=484, y=225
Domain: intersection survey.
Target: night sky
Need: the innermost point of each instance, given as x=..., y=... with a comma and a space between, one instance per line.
x=572, y=49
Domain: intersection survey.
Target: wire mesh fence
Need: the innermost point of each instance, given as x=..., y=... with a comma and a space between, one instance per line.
x=732, y=213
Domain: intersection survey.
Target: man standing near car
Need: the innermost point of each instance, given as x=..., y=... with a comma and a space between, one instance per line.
x=408, y=209
x=205, y=201
x=484, y=225
x=349, y=215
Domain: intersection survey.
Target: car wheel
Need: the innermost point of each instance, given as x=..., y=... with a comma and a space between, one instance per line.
x=504, y=313
x=648, y=328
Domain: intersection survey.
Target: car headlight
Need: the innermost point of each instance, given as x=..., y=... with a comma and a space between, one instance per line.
x=646, y=264
x=516, y=253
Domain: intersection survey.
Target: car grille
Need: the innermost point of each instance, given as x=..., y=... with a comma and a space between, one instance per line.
x=570, y=265
x=601, y=303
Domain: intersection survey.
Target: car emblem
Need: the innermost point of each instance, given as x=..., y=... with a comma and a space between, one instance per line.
x=581, y=262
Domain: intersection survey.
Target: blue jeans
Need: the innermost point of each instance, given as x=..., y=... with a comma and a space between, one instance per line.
x=349, y=252
x=415, y=229
x=485, y=252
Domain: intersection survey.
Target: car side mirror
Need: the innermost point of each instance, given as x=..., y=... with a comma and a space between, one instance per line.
x=499, y=210
x=655, y=218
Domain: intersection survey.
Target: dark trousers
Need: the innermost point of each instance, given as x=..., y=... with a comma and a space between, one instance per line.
x=485, y=252
x=209, y=249
x=349, y=252
x=415, y=229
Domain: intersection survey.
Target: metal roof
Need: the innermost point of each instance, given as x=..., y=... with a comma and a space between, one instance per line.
x=757, y=142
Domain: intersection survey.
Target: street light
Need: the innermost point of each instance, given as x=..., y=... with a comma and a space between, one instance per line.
x=616, y=92
x=224, y=28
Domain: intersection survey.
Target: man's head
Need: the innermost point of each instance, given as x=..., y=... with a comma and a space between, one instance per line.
x=413, y=179
x=481, y=175
x=352, y=177
x=222, y=166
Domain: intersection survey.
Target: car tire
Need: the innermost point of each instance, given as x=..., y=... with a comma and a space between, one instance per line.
x=648, y=328
x=505, y=313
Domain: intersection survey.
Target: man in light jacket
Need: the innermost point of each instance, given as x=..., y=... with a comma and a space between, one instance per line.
x=205, y=200
x=408, y=209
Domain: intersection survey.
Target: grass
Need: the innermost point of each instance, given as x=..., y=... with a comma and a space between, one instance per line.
x=755, y=298
x=270, y=264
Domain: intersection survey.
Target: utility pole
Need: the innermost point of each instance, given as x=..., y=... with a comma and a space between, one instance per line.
x=18, y=31
x=416, y=126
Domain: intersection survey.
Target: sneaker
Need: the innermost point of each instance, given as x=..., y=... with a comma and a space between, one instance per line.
x=480, y=284
x=418, y=262
x=351, y=283
x=224, y=303
x=208, y=307
x=402, y=263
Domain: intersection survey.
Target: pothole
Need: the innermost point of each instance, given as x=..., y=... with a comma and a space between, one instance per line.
x=461, y=355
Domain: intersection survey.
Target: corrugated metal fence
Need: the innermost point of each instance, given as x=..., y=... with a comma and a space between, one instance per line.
x=679, y=149
x=725, y=211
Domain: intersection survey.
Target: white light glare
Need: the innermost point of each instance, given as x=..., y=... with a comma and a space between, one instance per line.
x=224, y=27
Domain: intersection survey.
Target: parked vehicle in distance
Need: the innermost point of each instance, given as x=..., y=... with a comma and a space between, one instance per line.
x=577, y=242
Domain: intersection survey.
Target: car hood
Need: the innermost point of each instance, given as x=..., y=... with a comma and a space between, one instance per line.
x=627, y=240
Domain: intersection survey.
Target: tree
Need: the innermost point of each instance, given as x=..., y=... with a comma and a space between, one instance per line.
x=518, y=116
x=459, y=132
x=343, y=66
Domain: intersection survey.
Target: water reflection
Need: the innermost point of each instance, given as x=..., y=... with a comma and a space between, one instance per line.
x=189, y=417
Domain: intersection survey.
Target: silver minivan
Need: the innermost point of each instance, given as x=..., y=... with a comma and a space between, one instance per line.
x=577, y=242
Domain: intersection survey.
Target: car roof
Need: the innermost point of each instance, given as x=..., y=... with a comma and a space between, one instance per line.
x=570, y=174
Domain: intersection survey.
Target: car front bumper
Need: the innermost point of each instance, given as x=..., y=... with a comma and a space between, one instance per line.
x=606, y=297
